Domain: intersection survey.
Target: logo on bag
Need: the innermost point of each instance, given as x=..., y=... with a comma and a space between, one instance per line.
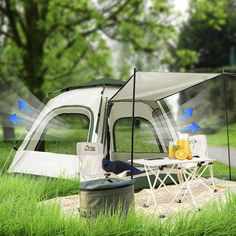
x=88, y=148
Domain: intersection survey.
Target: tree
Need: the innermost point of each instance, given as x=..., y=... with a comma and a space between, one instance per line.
x=206, y=44
x=8, y=131
x=56, y=43
x=209, y=34
x=49, y=40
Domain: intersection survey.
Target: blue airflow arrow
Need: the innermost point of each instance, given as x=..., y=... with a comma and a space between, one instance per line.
x=22, y=105
x=187, y=113
x=194, y=127
x=16, y=119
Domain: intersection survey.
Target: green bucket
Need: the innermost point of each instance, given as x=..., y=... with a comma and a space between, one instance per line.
x=108, y=195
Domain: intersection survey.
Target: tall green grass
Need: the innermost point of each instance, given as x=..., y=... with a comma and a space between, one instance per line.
x=215, y=218
x=6, y=154
x=20, y=211
x=22, y=214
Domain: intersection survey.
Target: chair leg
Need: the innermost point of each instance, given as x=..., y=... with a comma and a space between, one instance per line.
x=212, y=177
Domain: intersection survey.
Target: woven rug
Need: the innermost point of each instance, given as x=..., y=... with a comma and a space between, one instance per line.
x=202, y=195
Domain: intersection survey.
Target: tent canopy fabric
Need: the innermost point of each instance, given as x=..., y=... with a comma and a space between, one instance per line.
x=154, y=86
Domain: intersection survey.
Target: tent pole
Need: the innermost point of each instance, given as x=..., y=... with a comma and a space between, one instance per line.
x=132, y=134
x=227, y=126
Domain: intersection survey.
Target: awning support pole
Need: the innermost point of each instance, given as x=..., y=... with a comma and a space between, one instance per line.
x=227, y=125
x=132, y=135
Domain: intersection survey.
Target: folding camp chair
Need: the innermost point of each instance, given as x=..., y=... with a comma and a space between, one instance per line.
x=90, y=161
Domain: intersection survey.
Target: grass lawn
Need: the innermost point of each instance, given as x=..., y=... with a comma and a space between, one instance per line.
x=144, y=140
x=220, y=138
x=21, y=214
x=221, y=171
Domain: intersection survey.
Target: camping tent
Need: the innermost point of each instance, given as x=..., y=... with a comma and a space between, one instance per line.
x=85, y=103
x=109, y=109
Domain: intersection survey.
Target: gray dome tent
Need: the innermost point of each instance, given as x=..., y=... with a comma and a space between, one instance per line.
x=104, y=103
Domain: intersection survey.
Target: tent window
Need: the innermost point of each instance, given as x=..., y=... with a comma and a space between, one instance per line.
x=63, y=132
x=145, y=139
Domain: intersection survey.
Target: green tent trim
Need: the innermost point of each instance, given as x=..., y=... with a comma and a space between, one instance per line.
x=97, y=83
x=92, y=83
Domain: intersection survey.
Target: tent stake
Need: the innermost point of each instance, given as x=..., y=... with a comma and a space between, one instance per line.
x=227, y=126
x=132, y=135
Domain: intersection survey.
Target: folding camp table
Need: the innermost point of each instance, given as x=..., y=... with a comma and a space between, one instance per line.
x=190, y=175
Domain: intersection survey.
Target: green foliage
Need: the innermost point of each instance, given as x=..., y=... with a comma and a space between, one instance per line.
x=210, y=32
x=153, y=37
x=211, y=12
x=57, y=43
x=186, y=59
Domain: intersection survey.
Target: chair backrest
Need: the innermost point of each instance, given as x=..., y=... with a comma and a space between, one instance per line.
x=198, y=144
x=90, y=161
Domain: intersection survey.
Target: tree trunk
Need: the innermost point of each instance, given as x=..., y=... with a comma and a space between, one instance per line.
x=8, y=128
x=33, y=58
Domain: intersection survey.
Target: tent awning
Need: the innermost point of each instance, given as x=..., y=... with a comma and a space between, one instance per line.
x=155, y=85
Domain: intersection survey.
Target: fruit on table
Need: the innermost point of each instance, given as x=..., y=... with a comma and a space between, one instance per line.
x=184, y=144
x=181, y=154
x=190, y=157
x=172, y=149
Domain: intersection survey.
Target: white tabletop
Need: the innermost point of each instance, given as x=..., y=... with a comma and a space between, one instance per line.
x=169, y=161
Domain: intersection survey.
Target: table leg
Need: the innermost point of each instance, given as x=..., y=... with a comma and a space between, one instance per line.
x=197, y=176
x=151, y=186
x=190, y=191
x=162, y=182
x=184, y=189
x=174, y=199
x=168, y=173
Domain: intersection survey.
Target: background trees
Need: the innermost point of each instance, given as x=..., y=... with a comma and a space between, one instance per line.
x=208, y=38
x=206, y=43
x=53, y=43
